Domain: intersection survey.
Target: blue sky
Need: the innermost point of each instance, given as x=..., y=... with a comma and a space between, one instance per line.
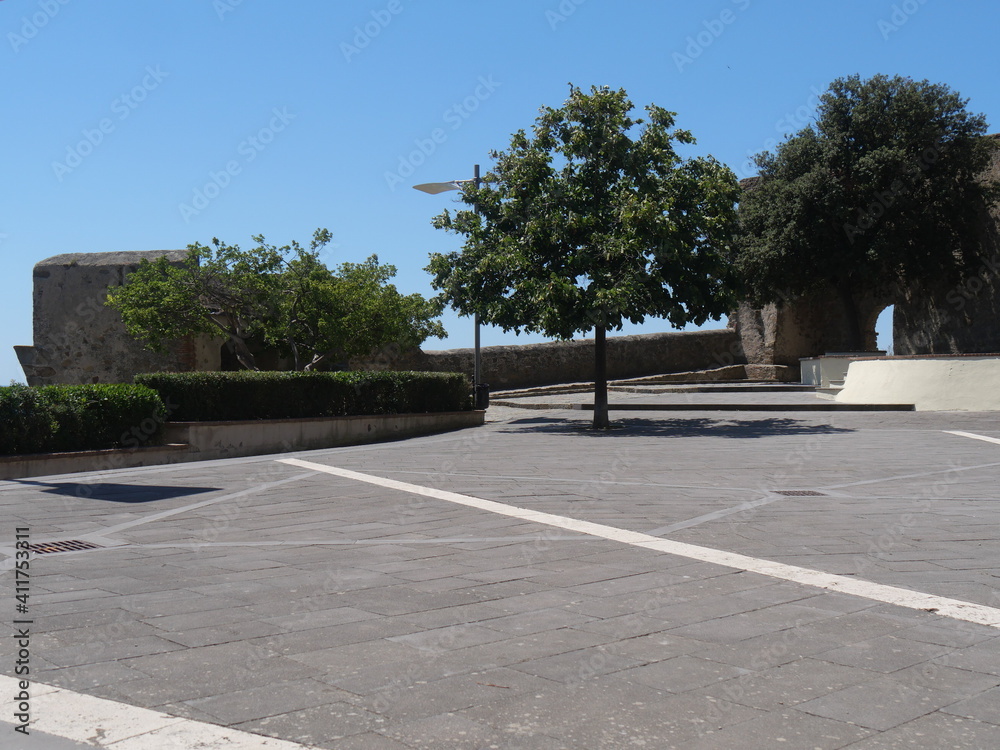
x=143, y=126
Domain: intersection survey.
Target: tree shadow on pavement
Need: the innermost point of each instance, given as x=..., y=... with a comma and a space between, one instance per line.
x=678, y=427
x=116, y=493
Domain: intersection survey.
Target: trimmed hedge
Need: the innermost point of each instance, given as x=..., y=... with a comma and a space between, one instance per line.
x=244, y=395
x=56, y=418
x=27, y=420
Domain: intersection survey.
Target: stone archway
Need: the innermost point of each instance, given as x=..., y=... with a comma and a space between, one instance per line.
x=779, y=334
x=883, y=321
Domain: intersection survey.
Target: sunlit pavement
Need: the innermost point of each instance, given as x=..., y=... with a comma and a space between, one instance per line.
x=378, y=597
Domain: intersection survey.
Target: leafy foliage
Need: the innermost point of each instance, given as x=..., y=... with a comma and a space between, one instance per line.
x=27, y=423
x=216, y=396
x=586, y=224
x=884, y=189
x=283, y=296
x=348, y=313
x=78, y=417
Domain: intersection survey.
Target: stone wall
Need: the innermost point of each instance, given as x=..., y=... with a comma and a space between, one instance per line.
x=77, y=339
x=780, y=334
x=516, y=366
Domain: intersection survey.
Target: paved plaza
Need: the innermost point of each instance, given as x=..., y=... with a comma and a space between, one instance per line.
x=697, y=579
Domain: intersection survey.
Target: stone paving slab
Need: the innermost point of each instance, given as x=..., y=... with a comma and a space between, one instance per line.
x=325, y=611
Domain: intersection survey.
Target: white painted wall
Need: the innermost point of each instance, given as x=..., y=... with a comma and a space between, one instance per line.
x=938, y=384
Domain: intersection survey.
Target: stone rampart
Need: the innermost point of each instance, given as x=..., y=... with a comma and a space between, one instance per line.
x=77, y=339
x=781, y=334
x=573, y=361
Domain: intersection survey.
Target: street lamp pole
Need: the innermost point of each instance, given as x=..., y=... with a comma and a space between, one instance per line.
x=433, y=188
x=477, y=371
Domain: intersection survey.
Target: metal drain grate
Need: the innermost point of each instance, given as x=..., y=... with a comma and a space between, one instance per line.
x=70, y=545
x=799, y=493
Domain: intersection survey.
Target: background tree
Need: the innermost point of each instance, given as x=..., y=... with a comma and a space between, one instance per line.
x=583, y=226
x=282, y=296
x=883, y=190
x=325, y=316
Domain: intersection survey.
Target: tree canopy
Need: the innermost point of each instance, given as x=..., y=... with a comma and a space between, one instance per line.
x=884, y=189
x=592, y=220
x=284, y=297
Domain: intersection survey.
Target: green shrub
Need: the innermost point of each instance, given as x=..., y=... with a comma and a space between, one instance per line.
x=99, y=416
x=78, y=417
x=224, y=396
x=27, y=423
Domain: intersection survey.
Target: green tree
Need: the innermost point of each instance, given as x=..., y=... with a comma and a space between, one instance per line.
x=328, y=316
x=592, y=221
x=884, y=189
x=282, y=296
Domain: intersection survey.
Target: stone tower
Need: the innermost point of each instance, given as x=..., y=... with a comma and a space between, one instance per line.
x=77, y=339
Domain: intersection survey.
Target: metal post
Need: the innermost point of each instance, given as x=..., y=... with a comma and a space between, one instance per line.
x=477, y=368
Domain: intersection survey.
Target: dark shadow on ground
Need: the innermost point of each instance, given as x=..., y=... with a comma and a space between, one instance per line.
x=117, y=493
x=678, y=427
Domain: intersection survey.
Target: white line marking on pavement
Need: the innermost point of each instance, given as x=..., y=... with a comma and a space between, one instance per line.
x=921, y=475
x=973, y=435
x=716, y=515
x=194, y=506
x=565, y=480
x=101, y=536
x=953, y=608
x=104, y=723
x=520, y=539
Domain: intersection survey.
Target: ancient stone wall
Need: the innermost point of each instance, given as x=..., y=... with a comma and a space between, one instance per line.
x=781, y=333
x=516, y=366
x=77, y=339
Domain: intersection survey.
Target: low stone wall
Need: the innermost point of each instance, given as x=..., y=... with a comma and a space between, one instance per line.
x=210, y=440
x=203, y=441
x=50, y=464
x=519, y=366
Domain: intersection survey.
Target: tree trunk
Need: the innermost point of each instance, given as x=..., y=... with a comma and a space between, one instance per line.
x=852, y=320
x=243, y=354
x=601, y=421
